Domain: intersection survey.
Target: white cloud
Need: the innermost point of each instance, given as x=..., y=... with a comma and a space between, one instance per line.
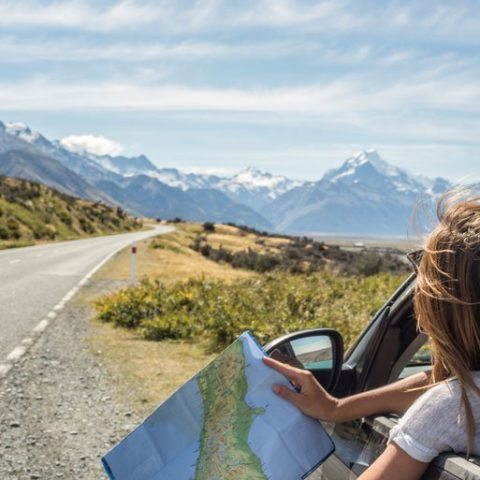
x=431, y=18
x=347, y=96
x=14, y=50
x=84, y=15
x=97, y=145
x=168, y=14
x=427, y=106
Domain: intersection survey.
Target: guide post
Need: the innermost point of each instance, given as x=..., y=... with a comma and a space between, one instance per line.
x=133, y=265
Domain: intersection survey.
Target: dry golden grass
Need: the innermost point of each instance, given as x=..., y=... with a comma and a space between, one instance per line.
x=146, y=372
x=234, y=240
x=151, y=370
x=172, y=261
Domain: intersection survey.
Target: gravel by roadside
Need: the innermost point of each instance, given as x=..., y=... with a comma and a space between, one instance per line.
x=59, y=410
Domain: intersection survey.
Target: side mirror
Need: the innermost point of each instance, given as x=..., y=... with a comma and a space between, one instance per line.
x=319, y=350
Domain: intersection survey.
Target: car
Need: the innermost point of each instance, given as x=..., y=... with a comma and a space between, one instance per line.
x=388, y=349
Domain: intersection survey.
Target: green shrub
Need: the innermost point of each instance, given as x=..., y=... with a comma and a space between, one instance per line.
x=270, y=306
x=65, y=217
x=4, y=233
x=209, y=227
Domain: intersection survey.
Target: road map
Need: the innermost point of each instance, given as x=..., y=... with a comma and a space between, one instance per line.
x=224, y=424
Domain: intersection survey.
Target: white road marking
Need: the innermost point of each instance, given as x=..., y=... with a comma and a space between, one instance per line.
x=17, y=353
x=69, y=295
x=4, y=369
x=11, y=262
x=42, y=325
x=51, y=315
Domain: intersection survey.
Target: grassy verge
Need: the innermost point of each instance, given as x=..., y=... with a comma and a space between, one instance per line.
x=170, y=259
x=6, y=244
x=153, y=370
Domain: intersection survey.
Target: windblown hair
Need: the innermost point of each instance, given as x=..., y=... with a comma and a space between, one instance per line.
x=447, y=295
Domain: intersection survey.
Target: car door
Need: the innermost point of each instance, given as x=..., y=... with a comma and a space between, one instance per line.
x=388, y=349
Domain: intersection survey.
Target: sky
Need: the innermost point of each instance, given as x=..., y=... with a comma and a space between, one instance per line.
x=293, y=87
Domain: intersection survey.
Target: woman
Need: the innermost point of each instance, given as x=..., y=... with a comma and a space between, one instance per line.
x=442, y=408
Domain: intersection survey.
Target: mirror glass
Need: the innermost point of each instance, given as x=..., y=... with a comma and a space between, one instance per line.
x=315, y=352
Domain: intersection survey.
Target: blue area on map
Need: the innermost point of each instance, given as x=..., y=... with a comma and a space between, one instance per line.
x=166, y=445
x=288, y=443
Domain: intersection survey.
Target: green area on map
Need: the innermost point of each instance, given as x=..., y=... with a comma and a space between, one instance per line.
x=224, y=450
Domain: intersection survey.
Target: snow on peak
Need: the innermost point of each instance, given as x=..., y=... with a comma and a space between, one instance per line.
x=252, y=177
x=23, y=131
x=368, y=168
x=373, y=158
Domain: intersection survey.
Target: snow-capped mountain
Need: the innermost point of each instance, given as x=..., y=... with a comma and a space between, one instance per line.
x=10, y=142
x=20, y=156
x=368, y=168
x=365, y=195
x=250, y=187
x=81, y=164
x=125, y=166
x=255, y=188
x=141, y=165
x=134, y=183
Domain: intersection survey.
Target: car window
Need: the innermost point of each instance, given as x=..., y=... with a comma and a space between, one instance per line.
x=421, y=361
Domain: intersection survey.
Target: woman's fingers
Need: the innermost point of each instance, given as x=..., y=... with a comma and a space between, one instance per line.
x=291, y=373
x=287, y=394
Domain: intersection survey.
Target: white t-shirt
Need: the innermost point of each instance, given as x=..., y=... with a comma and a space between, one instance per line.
x=435, y=423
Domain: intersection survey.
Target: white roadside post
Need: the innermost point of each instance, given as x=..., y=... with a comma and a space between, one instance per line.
x=133, y=265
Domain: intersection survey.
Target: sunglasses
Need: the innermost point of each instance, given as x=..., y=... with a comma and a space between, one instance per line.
x=414, y=258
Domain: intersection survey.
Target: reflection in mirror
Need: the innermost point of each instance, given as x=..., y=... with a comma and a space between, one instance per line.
x=315, y=352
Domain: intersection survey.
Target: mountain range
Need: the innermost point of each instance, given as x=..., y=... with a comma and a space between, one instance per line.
x=364, y=196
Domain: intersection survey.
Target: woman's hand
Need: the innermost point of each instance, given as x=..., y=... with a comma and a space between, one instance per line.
x=311, y=398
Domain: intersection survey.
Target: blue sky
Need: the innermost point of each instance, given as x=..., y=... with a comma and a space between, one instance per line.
x=290, y=86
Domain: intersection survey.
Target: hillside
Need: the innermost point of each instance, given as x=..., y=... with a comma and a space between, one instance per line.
x=31, y=211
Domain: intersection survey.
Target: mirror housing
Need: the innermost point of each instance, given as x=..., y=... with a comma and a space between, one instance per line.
x=319, y=350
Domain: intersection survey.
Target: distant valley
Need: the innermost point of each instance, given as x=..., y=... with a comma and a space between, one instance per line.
x=363, y=196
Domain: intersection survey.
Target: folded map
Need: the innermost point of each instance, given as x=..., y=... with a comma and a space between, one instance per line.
x=224, y=423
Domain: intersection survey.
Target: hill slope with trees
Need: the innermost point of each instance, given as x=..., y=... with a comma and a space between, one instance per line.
x=32, y=212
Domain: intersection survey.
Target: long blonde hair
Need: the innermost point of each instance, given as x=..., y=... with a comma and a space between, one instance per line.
x=447, y=295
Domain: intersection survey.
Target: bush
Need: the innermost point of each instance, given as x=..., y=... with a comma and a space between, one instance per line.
x=270, y=306
x=65, y=218
x=4, y=233
x=303, y=255
x=209, y=227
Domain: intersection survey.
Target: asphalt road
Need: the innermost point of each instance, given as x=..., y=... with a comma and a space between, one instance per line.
x=34, y=279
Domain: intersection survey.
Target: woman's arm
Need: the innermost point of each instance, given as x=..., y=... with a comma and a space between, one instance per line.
x=313, y=400
x=394, y=464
